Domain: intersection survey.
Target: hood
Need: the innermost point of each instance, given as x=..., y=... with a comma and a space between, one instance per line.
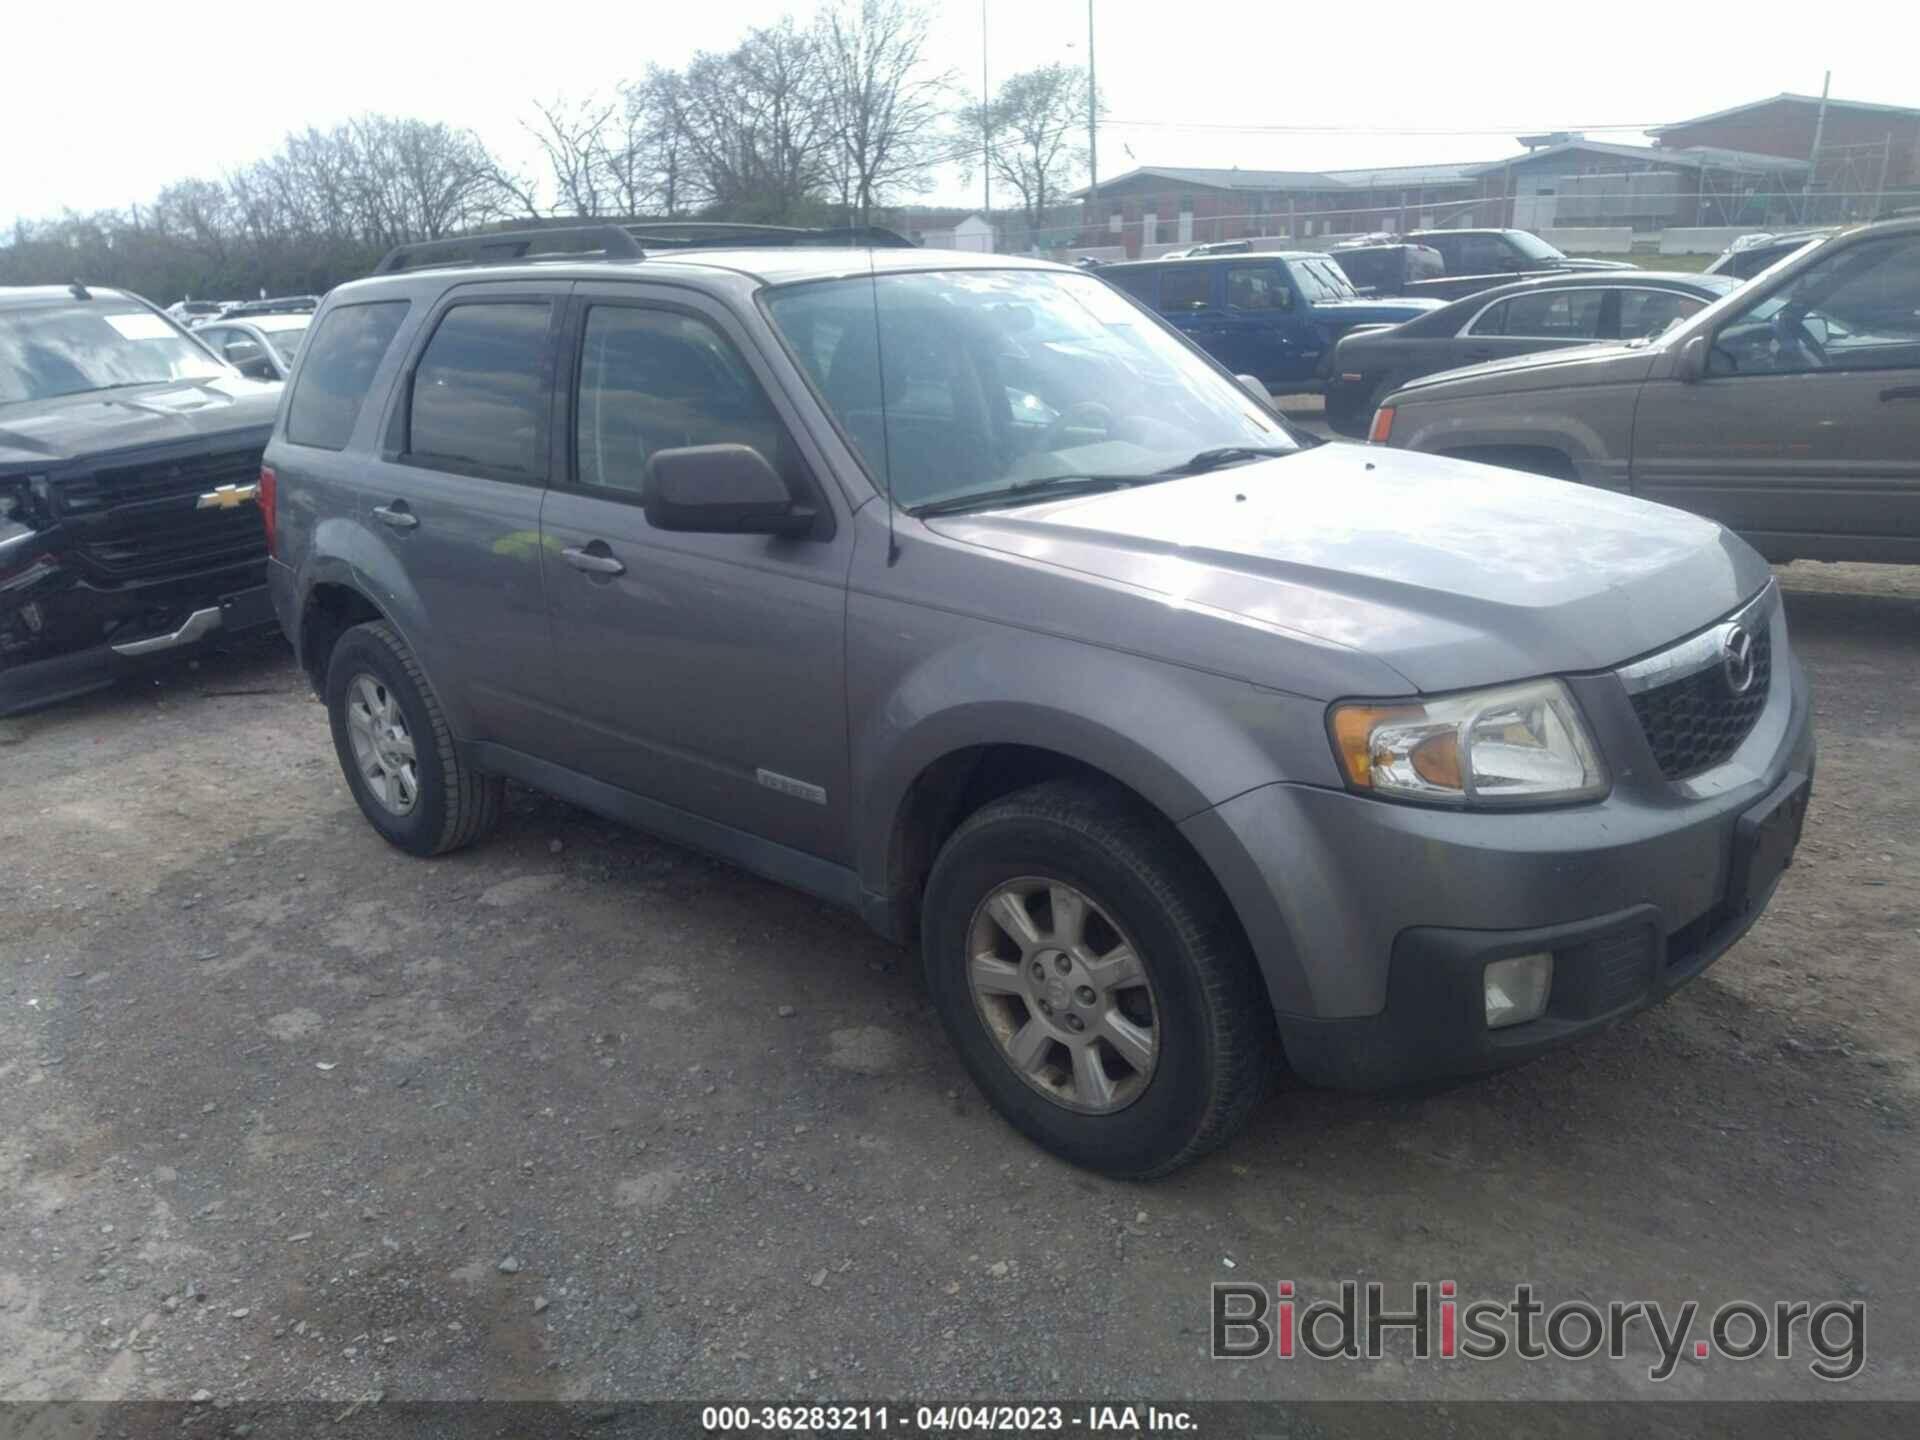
x=1451, y=573
x=1390, y=312
x=1569, y=263
x=1604, y=363
x=72, y=427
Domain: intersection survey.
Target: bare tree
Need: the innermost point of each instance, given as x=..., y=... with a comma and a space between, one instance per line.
x=884, y=106
x=754, y=124
x=573, y=136
x=1036, y=131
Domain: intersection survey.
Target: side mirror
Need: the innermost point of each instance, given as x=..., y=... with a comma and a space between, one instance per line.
x=238, y=352
x=1691, y=363
x=720, y=490
x=1251, y=384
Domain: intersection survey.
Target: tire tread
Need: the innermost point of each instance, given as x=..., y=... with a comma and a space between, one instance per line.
x=474, y=801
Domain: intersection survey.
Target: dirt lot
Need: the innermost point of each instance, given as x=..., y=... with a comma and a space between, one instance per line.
x=284, y=1114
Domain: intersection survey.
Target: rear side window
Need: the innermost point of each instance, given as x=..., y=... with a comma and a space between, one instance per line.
x=1185, y=288
x=480, y=391
x=341, y=360
x=1549, y=315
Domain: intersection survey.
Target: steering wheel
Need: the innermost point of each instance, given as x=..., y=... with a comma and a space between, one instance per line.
x=1084, y=415
x=1791, y=332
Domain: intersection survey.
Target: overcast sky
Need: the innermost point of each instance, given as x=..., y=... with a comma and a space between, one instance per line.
x=113, y=106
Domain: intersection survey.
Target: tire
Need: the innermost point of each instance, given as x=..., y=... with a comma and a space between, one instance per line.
x=1215, y=1052
x=451, y=804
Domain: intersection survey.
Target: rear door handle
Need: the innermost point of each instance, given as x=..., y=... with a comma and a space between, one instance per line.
x=396, y=515
x=1901, y=392
x=592, y=563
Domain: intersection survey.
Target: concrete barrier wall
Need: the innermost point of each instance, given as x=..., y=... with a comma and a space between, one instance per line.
x=1608, y=240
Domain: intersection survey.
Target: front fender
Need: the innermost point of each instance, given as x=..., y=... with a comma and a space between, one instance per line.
x=1183, y=740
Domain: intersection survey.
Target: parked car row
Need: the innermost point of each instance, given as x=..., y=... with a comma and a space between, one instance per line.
x=1554, y=313
x=1788, y=409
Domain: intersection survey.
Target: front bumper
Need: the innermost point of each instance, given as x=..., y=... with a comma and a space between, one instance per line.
x=59, y=658
x=1349, y=404
x=1372, y=920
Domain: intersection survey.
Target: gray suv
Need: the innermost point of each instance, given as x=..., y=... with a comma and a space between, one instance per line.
x=963, y=592
x=1789, y=410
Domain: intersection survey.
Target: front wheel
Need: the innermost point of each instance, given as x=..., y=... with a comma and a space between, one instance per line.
x=1083, y=965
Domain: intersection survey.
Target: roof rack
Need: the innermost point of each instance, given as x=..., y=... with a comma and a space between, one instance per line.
x=728, y=234
x=504, y=247
x=626, y=241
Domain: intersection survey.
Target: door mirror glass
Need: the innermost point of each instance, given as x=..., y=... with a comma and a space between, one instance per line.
x=720, y=490
x=239, y=352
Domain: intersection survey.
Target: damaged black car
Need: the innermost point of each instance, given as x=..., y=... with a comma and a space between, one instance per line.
x=130, y=518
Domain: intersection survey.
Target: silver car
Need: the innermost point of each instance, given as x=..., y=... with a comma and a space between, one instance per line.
x=961, y=591
x=1788, y=411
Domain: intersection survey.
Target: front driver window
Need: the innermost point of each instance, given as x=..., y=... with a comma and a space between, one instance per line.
x=659, y=380
x=1858, y=309
x=1255, y=288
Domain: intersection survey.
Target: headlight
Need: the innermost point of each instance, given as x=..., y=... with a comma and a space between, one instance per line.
x=14, y=495
x=1513, y=745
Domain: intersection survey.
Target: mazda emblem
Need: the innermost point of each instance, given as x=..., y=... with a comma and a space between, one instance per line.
x=1736, y=659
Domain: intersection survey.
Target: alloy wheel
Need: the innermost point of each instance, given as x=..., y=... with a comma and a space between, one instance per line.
x=1063, y=993
x=382, y=744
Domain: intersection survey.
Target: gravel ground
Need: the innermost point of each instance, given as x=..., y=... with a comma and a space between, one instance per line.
x=577, y=1114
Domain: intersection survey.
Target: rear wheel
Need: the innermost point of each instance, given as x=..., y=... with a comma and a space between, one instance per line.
x=397, y=751
x=1081, y=962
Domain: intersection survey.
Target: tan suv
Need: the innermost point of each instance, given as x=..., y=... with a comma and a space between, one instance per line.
x=1789, y=411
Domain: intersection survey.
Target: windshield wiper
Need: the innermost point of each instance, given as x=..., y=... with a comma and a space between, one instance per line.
x=1048, y=487
x=1223, y=455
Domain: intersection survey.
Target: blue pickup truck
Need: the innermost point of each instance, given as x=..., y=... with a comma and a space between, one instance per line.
x=1274, y=315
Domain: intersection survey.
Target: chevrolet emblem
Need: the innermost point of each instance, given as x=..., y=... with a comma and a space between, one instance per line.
x=228, y=497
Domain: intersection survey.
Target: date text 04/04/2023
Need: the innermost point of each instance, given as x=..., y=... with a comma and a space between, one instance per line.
x=945, y=1419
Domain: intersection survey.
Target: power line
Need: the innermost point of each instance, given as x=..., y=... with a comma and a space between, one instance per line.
x=1374, y=129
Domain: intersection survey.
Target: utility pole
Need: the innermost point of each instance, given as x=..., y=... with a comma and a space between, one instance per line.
x=986, y=134
x=1093, y=121
x=1819, y=129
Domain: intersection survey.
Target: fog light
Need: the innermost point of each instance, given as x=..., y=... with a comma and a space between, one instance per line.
x=1517, y=989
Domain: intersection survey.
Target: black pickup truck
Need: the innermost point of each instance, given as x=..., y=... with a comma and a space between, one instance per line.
x=1452, y=264
x=129, y=475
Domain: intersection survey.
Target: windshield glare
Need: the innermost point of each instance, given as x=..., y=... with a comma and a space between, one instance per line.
x=1533, y=247
x=959, y=382
x=52, y=350
x=1322, y=280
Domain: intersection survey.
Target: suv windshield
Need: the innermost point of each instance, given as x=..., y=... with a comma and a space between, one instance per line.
x=973, y=382
x=52, y=350
x=1322, y=280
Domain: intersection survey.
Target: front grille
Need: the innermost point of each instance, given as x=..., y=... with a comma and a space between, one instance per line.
x=1697, y=722
x=141, y=523
x=175, y=544
x=116, y=487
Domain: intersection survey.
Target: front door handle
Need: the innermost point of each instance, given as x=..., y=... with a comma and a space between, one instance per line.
x=592, y=563
x=1901, y=392
x=396, y=515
